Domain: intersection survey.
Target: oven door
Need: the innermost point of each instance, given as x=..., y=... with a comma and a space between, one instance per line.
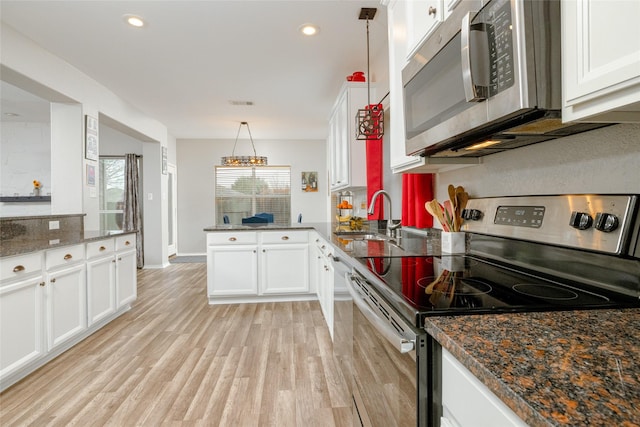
x=388, y=387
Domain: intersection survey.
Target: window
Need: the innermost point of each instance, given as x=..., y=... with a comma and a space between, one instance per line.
x=242, y=192
x=111, y=193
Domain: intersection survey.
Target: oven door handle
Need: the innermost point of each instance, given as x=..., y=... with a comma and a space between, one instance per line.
x=399, y=342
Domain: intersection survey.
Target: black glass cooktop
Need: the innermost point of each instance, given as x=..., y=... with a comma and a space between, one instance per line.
x=454, y=285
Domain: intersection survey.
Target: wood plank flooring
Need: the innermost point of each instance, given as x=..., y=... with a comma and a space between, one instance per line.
x=175, y=360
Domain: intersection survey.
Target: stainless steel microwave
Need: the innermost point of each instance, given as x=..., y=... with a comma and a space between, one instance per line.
x=487, y=80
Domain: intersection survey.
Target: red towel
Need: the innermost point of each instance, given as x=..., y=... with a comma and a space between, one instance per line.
x=417, y=189
x=374, y=169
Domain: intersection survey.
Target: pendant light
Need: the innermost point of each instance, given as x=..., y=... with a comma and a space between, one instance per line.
x=369, y=120
x=234, y=160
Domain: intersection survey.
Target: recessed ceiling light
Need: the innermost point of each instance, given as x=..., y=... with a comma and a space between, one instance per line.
x=134, y=21
x=309, y=29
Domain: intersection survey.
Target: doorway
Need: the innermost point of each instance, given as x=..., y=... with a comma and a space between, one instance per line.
x=173, y=209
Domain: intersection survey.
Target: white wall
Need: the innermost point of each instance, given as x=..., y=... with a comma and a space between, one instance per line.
x=21, y=57
x=25, y=153
x=195, y=163
x=605, y=161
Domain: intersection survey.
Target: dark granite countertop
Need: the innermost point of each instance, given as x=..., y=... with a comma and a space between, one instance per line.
x=573, y=368
x=23, y=246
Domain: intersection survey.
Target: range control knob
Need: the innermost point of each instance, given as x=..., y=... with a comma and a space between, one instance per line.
x=606, y=222
x=580, y=220
x=472, y=214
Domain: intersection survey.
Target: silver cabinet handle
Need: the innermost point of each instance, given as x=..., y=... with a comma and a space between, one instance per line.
x=432, y=11
x=400, y=343
x=473, y=92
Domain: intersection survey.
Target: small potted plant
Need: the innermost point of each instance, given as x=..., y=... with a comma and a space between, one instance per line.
x=36, y=187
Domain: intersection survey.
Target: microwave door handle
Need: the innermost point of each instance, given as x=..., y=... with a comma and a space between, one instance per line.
x=472, y=91
x=400, y=343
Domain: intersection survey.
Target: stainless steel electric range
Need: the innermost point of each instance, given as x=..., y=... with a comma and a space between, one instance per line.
x=534, y=253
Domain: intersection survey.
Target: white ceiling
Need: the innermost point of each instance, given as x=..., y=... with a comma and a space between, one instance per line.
x=194, y=57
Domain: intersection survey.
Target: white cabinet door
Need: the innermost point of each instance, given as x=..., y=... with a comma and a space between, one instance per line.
x=601, y=60
x=466, y=402
x=423, y=17
x=66, y=304
x=126, y=278
x=347, y=155
x=232, y=270
x=395, y=132
x=21, y=324
x=101, y=288
x=284, y=268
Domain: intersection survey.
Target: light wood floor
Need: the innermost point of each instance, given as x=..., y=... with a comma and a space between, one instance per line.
x=175, y=360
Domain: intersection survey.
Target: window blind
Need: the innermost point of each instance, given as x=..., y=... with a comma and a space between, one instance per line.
x=242, y=192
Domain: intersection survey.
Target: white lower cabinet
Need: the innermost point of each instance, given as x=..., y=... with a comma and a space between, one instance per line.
x=232, y=270
x=101, y=280
x=284, y=262
x=248, y=265
x=50, y=300
x=111, y=276
x=21, y=310
x=126, y=278
x=324, y=280
x=468, y=402
x=126, y=270
x=65, y=294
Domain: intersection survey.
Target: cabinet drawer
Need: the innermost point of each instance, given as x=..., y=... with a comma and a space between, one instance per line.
x=99, y=248
x=127, y=241
x=232, y=238
x=285, y=236
x=20, y=265
x=63, y=256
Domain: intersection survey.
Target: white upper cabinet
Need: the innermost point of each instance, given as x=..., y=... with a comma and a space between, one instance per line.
x=347, y=155
x=601, y=60
x=423, y=17
x=395, y=130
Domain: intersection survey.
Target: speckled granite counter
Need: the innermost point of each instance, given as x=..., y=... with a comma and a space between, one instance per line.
x=574, y=368
x=23, y=246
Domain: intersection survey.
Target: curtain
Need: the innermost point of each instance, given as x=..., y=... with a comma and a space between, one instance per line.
x=374, y=169
x=417, y=189
x=132, y=220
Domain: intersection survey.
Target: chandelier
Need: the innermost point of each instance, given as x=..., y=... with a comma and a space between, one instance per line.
x=369, y=120
x=234, y=160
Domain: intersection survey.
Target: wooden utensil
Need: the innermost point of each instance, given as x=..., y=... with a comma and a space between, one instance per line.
x=434, y=208
x=429, y=289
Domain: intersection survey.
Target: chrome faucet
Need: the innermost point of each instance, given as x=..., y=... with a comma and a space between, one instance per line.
x=391, y=227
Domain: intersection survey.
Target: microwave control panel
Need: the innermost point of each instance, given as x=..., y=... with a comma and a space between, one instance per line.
x=496, y=23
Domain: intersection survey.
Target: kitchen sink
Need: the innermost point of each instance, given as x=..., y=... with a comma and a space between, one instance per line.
x=353, y=235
